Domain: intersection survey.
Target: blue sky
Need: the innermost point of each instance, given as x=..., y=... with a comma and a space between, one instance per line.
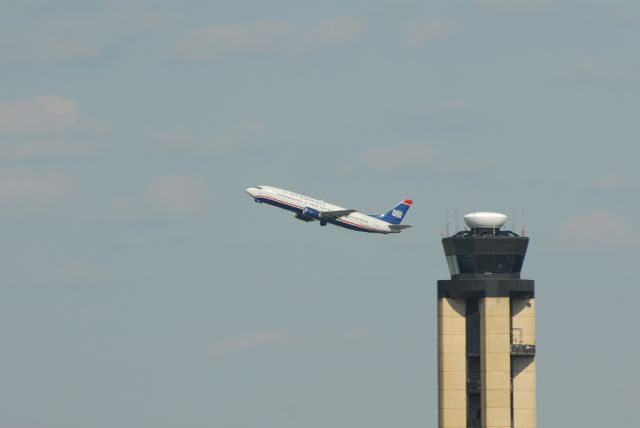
x=141, y=285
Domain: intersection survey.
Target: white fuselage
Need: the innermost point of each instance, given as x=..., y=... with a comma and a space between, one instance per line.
x=296, y=203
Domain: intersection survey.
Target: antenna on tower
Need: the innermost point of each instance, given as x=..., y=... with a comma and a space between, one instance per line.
x=524, y=224
x=446, y=222
x=455, y=213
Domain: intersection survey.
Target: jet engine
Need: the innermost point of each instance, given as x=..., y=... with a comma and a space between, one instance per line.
x=312, y=213
x=303, y=218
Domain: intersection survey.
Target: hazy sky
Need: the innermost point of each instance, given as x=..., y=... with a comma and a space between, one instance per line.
x=142, y=287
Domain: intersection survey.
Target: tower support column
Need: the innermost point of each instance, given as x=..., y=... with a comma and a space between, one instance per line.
x=523, y=368
x=495, y=362
x=452, y=364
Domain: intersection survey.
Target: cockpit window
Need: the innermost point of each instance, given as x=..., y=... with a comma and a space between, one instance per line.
x=258, y=187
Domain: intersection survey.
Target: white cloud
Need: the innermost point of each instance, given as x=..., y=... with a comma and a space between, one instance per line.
x=598, y=228
x=412, y=157
x=12, y=149
x=512, y=3
x=248, y=133
x=220, y=39
x=418, y=33
x=618, y=180
x=388, y=159
x=45, y=125
x=252, y=341
x=80, y=271
x=40, y=114
x=336, y=31
x=596, y=69
x=50, y=39
x=274, y=37
x=29, y=37
x=169, y=139
x=177, y=195
x=28, y=190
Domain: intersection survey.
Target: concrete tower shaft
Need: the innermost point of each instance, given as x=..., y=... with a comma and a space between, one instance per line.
x=486, y=331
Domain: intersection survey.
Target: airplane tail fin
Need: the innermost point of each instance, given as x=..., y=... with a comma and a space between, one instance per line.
x=396, y=214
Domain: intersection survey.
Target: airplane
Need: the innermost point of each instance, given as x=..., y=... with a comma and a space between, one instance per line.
x=309, y=209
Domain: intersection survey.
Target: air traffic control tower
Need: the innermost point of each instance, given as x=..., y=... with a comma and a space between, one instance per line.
x=486, y=329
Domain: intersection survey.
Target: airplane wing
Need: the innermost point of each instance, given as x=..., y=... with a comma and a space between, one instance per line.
x=334, y=215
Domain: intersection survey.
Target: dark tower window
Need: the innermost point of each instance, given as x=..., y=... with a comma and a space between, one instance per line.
x=485, y=263
x=501, y=253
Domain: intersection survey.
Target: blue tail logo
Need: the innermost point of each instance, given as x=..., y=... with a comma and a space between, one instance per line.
x=397, y=213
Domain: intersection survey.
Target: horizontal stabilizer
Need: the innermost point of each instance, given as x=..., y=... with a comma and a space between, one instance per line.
x=399, y=227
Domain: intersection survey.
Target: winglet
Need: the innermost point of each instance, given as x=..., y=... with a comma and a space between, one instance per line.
x=408, y=201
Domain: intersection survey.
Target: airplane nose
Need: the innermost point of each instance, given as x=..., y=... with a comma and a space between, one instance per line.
x=252, y=191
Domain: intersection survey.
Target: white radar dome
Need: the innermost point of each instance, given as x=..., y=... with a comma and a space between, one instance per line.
x=485, y=219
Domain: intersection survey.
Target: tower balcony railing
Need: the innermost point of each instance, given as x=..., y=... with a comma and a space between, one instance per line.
x=518, y=347
x=523, y=350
